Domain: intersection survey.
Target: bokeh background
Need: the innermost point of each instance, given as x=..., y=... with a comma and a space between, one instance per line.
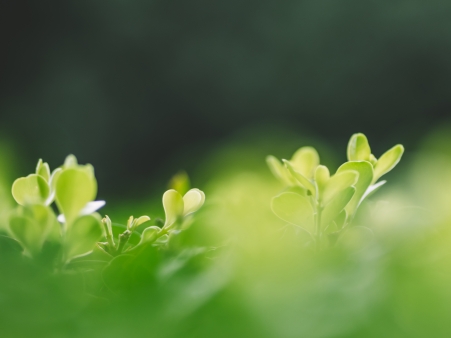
x=141, y=88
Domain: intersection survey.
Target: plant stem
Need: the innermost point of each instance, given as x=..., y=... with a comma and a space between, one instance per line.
x=123, y=239
x=319, y=210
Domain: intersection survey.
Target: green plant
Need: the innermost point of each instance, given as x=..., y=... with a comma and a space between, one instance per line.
x=79, y=229
x=325, y=205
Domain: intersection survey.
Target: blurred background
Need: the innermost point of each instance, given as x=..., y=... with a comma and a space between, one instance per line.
x=142, y=88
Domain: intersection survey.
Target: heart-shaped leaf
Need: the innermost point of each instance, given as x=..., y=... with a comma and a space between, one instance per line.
x=358, y=148
x=338, y=183
x=74, y=190
x=305, y=160
x=365, y=170
x=32, y=189
x=336, y=206
x=82, y=236
x=388, y=161
x=173, y=206
x=193, y=200
x=301, y=179
x=294, y=209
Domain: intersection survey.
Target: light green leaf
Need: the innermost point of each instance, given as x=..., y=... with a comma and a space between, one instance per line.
x=43, y=170
x=338, y=183
x=340, y=220
x=180, y=182
x=82, y=236
x=193, y=200
x=32, y=189
x=305, y=160
x=358, y=148
x=388, y=161
x=365, y=170
x=322, y=176
x=141, y=220
x=279, y=170
x=70, y=162
x=301, y=179
x=149, y=235
x=294, y=209
x=372, y=189
x=32, y=225
x=173, y=207
x=336, y=206
x=74, y=189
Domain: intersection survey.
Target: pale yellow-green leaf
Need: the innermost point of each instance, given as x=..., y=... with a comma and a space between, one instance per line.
x=338, y=183
x=32, y=189
x=82, y=236
x=301, y=179
x=173, y=207
x=43, y=170
x=193, y=200
x=332, y=210
x=279, y=171
x=358, y=148
x=294, y=209
x=388, y=161
x=305, y=160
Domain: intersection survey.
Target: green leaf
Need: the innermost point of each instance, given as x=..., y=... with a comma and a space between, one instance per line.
x=305, y=160
x=180, y=182
x=332, y=210
x=301, y=179
x=388, y=161
x=294, y=209
x=193, y=201
x=365, y=170
x=149, y=235
x=338, y=183
x=70, y=162
x=43, y=170
x=32, y=225
x=74, y=189
x=340, y=220
x=173, y=207
x=358, y=148
x=32, y=189
x=279, y=170
x=322, y=176
x=82, y=236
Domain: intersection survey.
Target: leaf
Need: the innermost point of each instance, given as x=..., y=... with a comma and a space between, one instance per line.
x=32, y=189
x=322, y=176
x=336, y=206
x=338, y=183
x=365, y=170
x=388, y=161
x=358, y=148
x=372, y=189
x=31, y=226
x=74, y=190
x=303, y=181
x=43, y=170
x=294, y=209
x=173, y=206
x=341, y=219
x=180, y=182
x=149, y=235
x=305, y=160
x=279, y=170
x=82, y=236
x=193, y=201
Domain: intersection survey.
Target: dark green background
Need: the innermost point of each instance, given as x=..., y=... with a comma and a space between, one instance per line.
x=142, y=88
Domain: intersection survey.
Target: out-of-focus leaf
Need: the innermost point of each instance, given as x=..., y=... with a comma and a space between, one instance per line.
x=173, y=206
x=338, y=183
x=358, y=148
x=82, y=236
x=336, y=206
x=43, y=170
x=279, y=170
x=294, y=209
x=322, y=176
x=180, y=182
x=305, y=160
x=304, y=181
x=356, y=238
x=193, y=200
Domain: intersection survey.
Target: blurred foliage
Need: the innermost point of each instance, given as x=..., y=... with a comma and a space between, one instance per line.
x=242, y=272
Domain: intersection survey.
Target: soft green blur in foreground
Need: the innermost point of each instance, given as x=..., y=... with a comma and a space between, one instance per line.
x=247, y=274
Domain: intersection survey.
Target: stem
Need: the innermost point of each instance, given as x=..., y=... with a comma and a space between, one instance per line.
x=123, y=239
x=319, y=210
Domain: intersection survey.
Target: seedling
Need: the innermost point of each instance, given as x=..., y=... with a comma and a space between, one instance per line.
x=325, y=205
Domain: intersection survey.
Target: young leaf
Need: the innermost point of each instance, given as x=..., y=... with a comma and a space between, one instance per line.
x=322, y=176
x=338, y=183
x=305, y=160
x=74, y=189
x=388, y=161
x=303, y=181
x=173, y=206
x=82, y=236
x=193, y=200
x=332, y=210
x=365, y=170
x=149, y=235
x=43, y=170
x=180, y=182
x=32, y=189
x=294, y=209
x=279, y=170
x=358, y=148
